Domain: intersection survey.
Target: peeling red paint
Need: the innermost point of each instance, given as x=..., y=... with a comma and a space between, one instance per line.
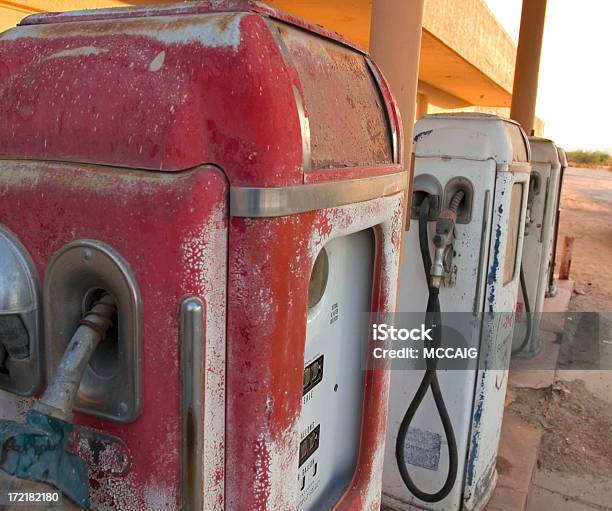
x=266, y=335
x=191, y=111
x=52, y=204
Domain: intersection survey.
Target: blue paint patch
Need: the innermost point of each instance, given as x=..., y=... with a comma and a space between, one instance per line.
x=492, y=277
x=421, y=135
x=496, y=247
x=422, y=448
x=494, y=268
x=37, y=450
x=483, y=486
x=474, y=443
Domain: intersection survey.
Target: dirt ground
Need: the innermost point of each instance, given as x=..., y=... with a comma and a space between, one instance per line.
x=587, y=215
x=577, y=427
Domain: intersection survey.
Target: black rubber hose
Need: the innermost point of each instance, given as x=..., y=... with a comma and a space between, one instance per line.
x=456, y=200
x=424, y=237
x=433, y=318
x=527, y=311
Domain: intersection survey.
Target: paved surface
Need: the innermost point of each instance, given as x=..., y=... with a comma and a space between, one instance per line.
x=519, y=443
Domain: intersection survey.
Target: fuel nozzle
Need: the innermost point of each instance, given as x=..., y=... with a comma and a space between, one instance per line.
x=528, y=220
x=37, y=450
x=443, y=239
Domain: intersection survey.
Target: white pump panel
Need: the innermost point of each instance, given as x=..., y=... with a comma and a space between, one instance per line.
x=536, y=258
x=491, y=156
x=330, y=423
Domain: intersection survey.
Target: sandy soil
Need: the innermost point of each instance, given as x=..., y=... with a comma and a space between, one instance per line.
x=577, y=427
x=587, y=215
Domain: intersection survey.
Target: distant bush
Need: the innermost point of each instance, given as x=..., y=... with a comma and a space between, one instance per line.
x=589, y=157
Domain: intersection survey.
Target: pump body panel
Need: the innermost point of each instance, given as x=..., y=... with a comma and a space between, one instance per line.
x=184, y=159
x=539, y=237
x=60, y=203
x=488, y=158
x=552, y=288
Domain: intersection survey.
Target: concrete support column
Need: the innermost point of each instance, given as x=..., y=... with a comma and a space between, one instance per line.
x=525, y=89
x=395, y=45
x=422, y=105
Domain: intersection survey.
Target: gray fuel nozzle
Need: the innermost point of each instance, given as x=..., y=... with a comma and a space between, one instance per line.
x=37, y=450
x=445, y=226
x=528, y=220
x=443, y=239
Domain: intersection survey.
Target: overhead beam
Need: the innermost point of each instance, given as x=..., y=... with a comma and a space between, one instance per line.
x=525, y=89
x=20, y=7
x=395, y=44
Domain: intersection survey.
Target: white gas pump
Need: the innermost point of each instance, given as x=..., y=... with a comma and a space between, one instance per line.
x=539, y=235
x=470, y=192
x=552, y=289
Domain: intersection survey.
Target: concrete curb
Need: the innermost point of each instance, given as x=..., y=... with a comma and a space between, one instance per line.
x=520, y=442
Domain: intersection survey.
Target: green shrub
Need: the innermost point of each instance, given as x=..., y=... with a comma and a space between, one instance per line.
x=590, y=157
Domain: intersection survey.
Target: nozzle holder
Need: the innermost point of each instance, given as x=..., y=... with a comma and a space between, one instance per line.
x=111, y=387
x=20, y=313
x=454, y=185
x=426, y=185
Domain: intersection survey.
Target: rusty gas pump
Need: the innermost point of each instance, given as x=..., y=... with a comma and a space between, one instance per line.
x=230, y=177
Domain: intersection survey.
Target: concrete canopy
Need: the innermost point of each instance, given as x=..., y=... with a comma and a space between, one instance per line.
x=466, y=56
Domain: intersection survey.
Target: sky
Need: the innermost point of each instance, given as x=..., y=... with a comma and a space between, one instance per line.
x=575, y=84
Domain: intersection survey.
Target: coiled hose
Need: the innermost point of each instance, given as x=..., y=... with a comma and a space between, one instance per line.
x=456, y=200
x=527, y=311
x=433, y=319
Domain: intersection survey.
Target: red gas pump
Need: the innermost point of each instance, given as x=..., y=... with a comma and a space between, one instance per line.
x=223, y=182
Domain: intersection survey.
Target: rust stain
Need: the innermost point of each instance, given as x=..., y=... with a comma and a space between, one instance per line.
x=339, y=91
x=118, y=26
x=223, y=21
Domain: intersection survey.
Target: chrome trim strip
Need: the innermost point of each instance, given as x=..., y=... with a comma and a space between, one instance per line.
x=483, y=250
x=305, y=129
x=272, y=26
x=547, y=191
x=289, y=200
x=192, y=421
x=299, y=103
x=392, y=126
